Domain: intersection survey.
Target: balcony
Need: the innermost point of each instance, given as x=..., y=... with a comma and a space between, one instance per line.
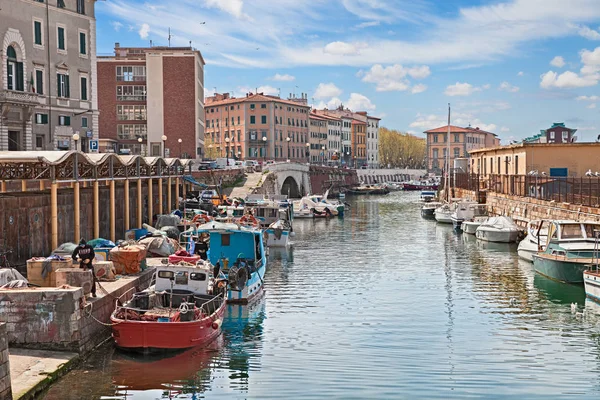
x=20, y=98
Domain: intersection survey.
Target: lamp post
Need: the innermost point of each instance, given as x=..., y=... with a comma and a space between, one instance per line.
x=164, y=140
x=140, y=141
x=264, y=139
x=227, y=150
x=180, y=141
x=323, y=155
x=308, y=153
x=239, y=155
x=354, y=164
x=210, y=147
x=76, y=139
x=288, y=140
x=347, y=158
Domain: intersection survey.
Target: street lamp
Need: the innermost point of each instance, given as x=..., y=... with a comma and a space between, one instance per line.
x=227, y=150
x=210, y=147
x=288, y=140
x=308, y=152
x=323, y=154
x=180, y=141
x=265, y=153
x=76, y=139
x=140, y=141
x=240, y=155
x=164, y=140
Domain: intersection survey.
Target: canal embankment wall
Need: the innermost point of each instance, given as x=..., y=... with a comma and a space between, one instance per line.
x=62, y=319
x=370, y=176
x=5, y=385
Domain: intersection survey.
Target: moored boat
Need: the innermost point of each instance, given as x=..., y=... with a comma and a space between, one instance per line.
x=470, y=226
x=184, y=308
x=591, y=281
x=368, y=190
x=428, y=209
x=465, y=211
x=443, y=214
x=498, y=229
x=535, y=239
x=278, y=233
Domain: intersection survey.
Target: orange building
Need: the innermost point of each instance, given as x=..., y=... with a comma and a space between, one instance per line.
x=359, y=145
x=257, y=126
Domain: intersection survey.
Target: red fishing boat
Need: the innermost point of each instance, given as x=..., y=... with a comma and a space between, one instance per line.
x=184, y=308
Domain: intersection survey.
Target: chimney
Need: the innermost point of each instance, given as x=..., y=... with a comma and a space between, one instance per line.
x=117, y=45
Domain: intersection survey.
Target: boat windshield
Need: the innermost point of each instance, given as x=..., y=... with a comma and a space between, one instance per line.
x=591, y=230
x=571, y=231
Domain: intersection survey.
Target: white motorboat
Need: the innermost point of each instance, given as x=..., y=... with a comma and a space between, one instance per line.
x=278, y=233
x=535, y=241
x=471, y=225
x=312, y=206
x=498, y=229
x=427, y=196
x=428, y=209
x=467, y=210
x=443, y=214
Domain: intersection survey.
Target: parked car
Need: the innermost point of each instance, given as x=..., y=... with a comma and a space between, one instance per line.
x=206, y=165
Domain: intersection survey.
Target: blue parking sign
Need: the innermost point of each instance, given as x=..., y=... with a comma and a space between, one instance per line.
x=94, y=145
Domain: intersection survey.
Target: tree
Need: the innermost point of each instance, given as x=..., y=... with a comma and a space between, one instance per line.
x=211, y=150
x=401, y=150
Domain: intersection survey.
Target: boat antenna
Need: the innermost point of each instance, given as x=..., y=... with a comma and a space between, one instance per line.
x=448, y=158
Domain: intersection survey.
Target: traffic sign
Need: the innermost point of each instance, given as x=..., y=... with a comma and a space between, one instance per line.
x=89, y=134
x=94, y=145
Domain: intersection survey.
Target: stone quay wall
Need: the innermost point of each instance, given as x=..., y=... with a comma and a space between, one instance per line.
x=59, y=319
x=5, y=388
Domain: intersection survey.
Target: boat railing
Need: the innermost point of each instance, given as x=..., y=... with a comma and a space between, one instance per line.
x=210, y=306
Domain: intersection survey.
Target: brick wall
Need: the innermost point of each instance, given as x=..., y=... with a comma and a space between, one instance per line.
x=322, y=178
x=213, y=177
x=179, y=93
x=5, y=389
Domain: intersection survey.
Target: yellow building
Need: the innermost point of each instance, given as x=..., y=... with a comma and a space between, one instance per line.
x=550, y=159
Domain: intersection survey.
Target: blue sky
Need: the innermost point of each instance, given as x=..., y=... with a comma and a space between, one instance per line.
x=512, y=67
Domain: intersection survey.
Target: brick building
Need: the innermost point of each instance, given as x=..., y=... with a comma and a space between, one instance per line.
x=146, y=94
x=462, y=140
x=257, y=126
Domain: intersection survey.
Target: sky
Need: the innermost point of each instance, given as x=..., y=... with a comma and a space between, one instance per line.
x=512, y=67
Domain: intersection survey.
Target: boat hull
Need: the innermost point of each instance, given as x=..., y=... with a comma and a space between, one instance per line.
x=443, y=218
x=527, y=249
x=559, y=268
x=275, y=239
x=427, y=212
x=151, y=336
x=470, y=227
x=497, y=236
x=591, y=281
x=252, y=289
x=457, y=224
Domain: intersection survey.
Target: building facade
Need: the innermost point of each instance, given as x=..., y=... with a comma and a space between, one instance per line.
x=359, y=143
x=318, y=136
x=257, y=126
x=48, y=75
x=557, y=133
x=146, y=94
x=462, y=141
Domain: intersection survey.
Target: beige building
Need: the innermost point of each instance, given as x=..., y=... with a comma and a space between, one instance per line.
x=320, y=126
x=543, y=159
x=48, y=74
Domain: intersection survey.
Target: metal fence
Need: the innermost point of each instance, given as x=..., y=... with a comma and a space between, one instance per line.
x=584, y=191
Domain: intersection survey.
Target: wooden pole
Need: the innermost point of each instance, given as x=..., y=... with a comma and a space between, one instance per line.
x=23, y=185
x=160, y=196
x=42, y=187
x=150, y=202
x=177, y=183
x=76, y=213
x=96, y=209
x=112, y=211
x=54, y=213
x=3, y=186
x=126, y=188
x=139, y=203
x=169, y=204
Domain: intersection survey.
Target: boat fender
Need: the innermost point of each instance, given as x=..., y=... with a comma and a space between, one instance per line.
x=216, y=324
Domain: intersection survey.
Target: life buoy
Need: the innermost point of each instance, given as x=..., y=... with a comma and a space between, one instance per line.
x=199, y=217
x=249, y=220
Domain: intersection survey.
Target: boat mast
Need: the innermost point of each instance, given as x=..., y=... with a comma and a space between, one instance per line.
x=448, y=158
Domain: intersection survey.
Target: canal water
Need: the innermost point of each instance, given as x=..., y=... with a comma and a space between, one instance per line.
x=381, y=305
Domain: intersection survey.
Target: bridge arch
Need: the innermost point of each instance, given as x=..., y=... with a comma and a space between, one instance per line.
x=291, y=188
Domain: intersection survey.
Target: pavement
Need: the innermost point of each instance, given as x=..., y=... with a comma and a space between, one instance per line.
x=31, y=371
x=252, y=180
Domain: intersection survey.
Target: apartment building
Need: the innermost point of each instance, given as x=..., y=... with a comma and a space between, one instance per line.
x=257, y=126
x=359, y=143
x=48, y=75
x=151, y=101
x=318, y=136
x=462, y=141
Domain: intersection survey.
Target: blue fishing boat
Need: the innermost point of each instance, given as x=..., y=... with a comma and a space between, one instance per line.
x=238, y=253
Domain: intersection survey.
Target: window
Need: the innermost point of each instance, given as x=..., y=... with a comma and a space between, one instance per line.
x=60, y=3
x=565, y=136
x=252, y=119
x=456, y=152
x=131, y=113
x=62, y=86
x=64, y=120
x=551, y=135
x=263, y=106
x=435, y=138
x=84, y=122
x=82, y=43
x=131, y=93
x=84, y=88
x=135, y=73
x=81, y=6
x=41, y=118
x=263, y=119
x=232, y=121
x=39, y=81
x=14, y=70
x=456, y=138
x=39, y=142
x=252, y=106
x=37, y=33
x=60, y=31
x=131, y=131
x=238, y=120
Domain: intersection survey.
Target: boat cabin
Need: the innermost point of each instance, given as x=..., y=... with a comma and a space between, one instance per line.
x=197, y=279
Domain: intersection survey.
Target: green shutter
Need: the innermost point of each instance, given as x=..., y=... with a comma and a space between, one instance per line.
x=20, y=78
x=38, y=32
x=84, y=88
x=67, y=121
x=11, y=73
x=39, y=82
x=58, y=86
x=44, y=118
x=67, y=88
x=82, y=43
x=61, y=38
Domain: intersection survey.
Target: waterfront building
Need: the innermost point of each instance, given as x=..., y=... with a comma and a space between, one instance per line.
x=257, y=126
x=48, y=74
x=557, y=133
x=540, y=159
x=147, y=94
x=359, y=143
x=462, y=141
x=319, y=125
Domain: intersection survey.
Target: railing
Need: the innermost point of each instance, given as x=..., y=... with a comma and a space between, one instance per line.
x=19, y=97
x=584, y=190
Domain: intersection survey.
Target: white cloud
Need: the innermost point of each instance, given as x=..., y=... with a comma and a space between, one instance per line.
x=332, y=104
x=425, y=122
x=558, y=62
x=144, y=31
x=591, y=62
x=367, y=24
x=588, y=98
x=419, y=88
x=325, y=90
x=521, y=73
x=461, y=89
x=592, y=106
x=566, y=80
x=233, y=7
x=589, y=33
x=116, y=25
x=394, y=77
x=343, y=48
x=507, y=87
x=504, y=129
x=359, y=102
x=283, y=78
x=486, y=86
